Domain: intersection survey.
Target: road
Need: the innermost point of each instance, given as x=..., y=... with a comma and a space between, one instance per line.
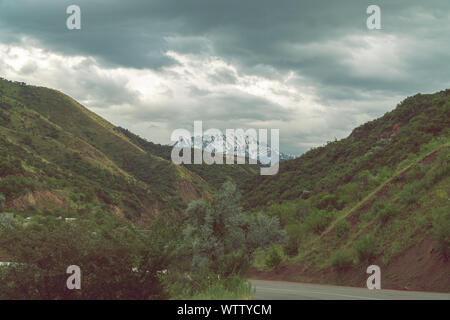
x=281, y=290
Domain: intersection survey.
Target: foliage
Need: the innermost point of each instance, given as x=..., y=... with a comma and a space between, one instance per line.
x=342, y=229
x=349, y=169
x=274, y=258
x=383, y=210
x=263, y=231
x=365, y=248
x=116, y=261
x=341, y=260
x=231, y=288
x=441, y=229
x=291, y=247
x=317, y=221
x=50, y=142
x=410, y=193
x=221, y=238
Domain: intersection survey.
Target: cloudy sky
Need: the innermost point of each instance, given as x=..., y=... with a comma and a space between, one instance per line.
x=311, y=68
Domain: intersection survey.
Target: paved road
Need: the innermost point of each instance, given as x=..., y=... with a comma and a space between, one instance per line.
x=280, y=290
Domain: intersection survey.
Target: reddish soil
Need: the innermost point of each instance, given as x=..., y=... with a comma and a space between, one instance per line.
x=40, y=199
x=431, y=157
x=187, y=192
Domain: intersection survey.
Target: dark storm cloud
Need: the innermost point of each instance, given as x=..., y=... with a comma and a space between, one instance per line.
x=249, y=33
x=325, y=42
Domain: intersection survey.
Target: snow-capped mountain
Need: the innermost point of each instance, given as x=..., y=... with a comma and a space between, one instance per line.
x=221, y=144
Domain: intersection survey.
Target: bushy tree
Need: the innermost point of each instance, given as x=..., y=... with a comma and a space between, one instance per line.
x=264, y=231
x=274, y=258
x=220, y=238
x=116, y=260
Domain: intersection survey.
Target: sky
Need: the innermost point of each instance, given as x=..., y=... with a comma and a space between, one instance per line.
x=310, y=68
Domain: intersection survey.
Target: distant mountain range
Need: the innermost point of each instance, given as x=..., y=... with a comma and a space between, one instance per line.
x=240, y=146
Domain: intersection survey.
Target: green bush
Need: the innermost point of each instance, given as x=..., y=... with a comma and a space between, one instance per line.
x=410, y=193
x=441, y=229
x=317, y=221
x=236, y=263
x=330, y=202
x=273, y=258
x=12, y=186
x=120, y=262
x=386, y=213
x=232, y=288
x=342, y=229
x=291, y=247
x=365, y=249
x=436, y=175
x=416, y=172
x=341, y=260
x=296, y=231
x=383, y=211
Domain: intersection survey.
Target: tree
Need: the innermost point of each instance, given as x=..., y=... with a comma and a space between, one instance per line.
x=264, y=231
x=116, y=261
x=221, y=239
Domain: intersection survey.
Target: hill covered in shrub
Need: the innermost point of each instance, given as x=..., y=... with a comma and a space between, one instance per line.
x=379, y=196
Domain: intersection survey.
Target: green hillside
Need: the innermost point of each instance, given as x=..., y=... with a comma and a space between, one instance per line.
x=379, y=196
x=215, y=175
x=76, y=190
x=57, y=154
x=348, y=169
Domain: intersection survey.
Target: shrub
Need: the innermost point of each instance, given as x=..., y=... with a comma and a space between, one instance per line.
x=236, y=263
x=291, y=247
x=263, y=231
x=232, y=288
x=296, y=231
x=436, y=175
x=410, y=194
x=13, y=186
x=416, y=172
x=441, y=229
x=121, y=264
x=365, y=248
x=273, y=258
x=387, y=212
x=342, y=229
x=330, y=202
x=317, y=221
x=341, y=260
x=383, y=211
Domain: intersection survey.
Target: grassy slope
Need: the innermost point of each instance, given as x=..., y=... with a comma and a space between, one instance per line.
x=214, y=174
x=375, y=148
x=389, y=184
x=62, y=147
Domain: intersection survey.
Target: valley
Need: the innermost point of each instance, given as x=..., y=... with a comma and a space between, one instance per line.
x=379, y=196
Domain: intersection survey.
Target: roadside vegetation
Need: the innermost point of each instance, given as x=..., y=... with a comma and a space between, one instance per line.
x=203, y=254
